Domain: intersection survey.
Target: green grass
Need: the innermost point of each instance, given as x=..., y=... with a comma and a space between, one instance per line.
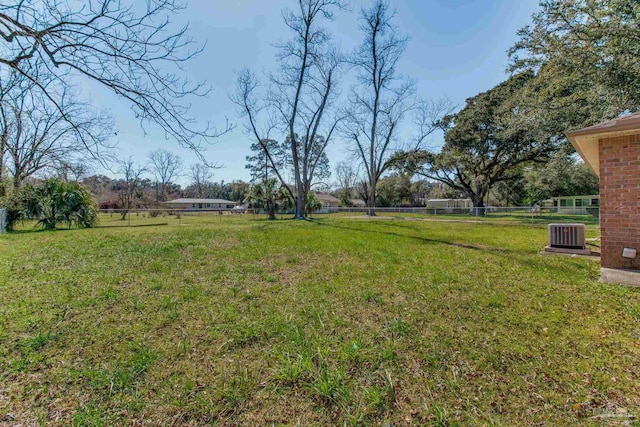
x=236, y=321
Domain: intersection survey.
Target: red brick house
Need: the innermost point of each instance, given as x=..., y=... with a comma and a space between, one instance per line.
x=612, y=151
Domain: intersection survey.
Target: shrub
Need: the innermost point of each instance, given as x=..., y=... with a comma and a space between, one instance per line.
x=312, y=204
x=54, y=202
x=13, y=204
x=269, y=196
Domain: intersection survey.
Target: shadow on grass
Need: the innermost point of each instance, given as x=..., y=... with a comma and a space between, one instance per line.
x=58, y=230
x=131, y=226
x=523, y=257
x=420, y=238
x=28, y=231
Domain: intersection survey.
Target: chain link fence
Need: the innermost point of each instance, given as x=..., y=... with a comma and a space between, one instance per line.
x=151, y=217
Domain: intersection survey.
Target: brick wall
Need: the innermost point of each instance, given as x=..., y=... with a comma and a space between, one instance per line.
x=620, y=200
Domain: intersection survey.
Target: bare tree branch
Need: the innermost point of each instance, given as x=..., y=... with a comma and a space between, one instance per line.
x=382, y=98
x=37, y=136
x=129, y=188
x=134, y=50
x=200, y=175
x=166, y=167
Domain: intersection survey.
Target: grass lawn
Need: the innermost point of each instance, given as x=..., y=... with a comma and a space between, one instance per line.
x=330, y=322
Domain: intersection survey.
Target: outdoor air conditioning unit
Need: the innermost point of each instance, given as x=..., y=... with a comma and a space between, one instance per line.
x=569, y=236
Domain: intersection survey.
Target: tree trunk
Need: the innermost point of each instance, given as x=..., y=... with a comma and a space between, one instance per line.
x=271, y=211
x=3, y=191
x=478, y=205
x=371, y=202
x=3, y=145
x=299, y=205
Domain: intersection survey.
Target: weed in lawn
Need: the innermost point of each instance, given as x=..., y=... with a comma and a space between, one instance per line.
x=167, y=303
x=496, y=300
x=142, y=358
x=381, y=394
x=292, y=369
x=372, y=297
x=37, y=342
x=496, y=361
x=90, y=416
x=388, y=353
x=156, y=286
x=136, y=305
x=124, y=375
x=397, y=327
x=441, y=417
x=21, y=365
x=33, y=322
x=329, y=383
x=246, y=334
x=351, y=351
x=29, y=350
x=235, y=391
x=435, y=359
x=109, y=294
x=190, y=293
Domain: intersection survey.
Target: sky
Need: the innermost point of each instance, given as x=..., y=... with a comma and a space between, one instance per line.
x=456, y=49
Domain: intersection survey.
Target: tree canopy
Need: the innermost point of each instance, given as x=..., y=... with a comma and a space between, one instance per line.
x=585, y=56
x=485, y=143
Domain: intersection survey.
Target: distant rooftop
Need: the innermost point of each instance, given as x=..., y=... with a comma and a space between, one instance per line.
x=185, y=201
x=326, y=197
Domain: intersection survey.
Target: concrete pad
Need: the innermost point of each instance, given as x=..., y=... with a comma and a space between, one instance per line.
x=584, y=252
x=619, y=276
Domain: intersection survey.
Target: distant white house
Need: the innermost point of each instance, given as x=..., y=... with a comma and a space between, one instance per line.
x=576, y=205
x=202, y=204
x=449, y=203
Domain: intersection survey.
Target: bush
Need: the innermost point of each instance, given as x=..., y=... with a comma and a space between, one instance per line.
x=54, y=202
x=312, y=204
x=13, y=205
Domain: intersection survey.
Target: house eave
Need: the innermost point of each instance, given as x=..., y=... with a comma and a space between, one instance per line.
x=585, y=141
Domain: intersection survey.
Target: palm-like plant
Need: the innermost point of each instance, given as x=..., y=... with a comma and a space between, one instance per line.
x=312, y=204
x=56, y=202
x=271, y=197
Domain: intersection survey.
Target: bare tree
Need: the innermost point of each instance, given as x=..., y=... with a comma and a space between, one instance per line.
x=381, y=98
x=347, y=176
x=131, y=48
x=165, y=166
x=37, y=136
x=129, y=188
x=200, y=175
x=300, y=96
x=72, y=171
x=8, y=85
